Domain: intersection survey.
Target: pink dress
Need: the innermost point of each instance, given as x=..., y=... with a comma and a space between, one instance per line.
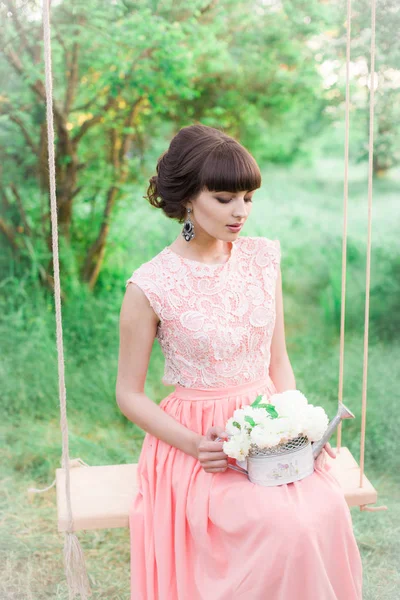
x=217, y=536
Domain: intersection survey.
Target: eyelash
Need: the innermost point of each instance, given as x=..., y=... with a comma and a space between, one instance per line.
x=227, y=201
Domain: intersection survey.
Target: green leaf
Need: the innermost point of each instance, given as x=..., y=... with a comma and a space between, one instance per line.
x=271, y=410
x=250, y=420
x=257, y=401
x=236, y=424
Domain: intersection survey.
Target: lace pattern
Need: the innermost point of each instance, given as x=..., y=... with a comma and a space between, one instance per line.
x=216, y=321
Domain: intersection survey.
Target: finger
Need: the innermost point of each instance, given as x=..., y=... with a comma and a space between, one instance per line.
x=215, y=431
x=330, y=450
x=320, y=461
x=214, y=464
x=211, y=446
x=220, y=470
x=217, y=436
x=212, y=456
x=212, y=433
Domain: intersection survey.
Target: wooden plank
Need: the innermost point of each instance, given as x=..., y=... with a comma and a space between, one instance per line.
x=102, y=496
x=347, y=472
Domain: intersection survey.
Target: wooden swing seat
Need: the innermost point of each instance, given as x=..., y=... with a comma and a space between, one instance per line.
x=101, y=496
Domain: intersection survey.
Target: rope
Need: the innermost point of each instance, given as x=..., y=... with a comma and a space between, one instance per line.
x=74, y=462
x=74, y=562
x=345, y=207
x=368, y=267
x=363, y=507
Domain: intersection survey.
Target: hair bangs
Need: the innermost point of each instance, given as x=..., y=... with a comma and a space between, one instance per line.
x=231, y=168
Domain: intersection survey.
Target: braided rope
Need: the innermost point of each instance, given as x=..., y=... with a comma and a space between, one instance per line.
x=74, y=562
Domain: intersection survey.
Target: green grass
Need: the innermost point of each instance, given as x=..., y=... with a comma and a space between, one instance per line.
x=302, y=207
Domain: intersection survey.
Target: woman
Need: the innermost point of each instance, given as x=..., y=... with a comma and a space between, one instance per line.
x=213, y=300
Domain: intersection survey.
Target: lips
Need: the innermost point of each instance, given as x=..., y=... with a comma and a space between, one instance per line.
x=236, y=227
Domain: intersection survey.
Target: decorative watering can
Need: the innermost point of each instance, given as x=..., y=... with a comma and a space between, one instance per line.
x=289, y=461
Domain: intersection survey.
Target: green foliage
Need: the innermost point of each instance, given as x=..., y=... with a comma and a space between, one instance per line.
x=270, y=408
x=257, y=401
x=250, y=420
x=386, y=79
x=302, y=208
x=311, y=281
x=127, y=76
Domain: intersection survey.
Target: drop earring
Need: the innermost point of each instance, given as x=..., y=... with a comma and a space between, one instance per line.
x=188, y=227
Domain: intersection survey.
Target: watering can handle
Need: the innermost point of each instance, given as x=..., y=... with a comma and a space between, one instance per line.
x=235, y=468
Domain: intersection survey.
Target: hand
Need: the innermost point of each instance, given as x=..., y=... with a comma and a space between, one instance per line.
x=330, y=450
x=209, y=452
x=320, y=462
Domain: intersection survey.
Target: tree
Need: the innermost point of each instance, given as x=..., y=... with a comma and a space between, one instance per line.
x=387, y=76
x=122, y=68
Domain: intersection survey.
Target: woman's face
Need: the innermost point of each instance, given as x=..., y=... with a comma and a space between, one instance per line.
x=212, y=212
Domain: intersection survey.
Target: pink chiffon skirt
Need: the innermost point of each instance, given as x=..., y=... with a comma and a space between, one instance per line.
x=216, y=536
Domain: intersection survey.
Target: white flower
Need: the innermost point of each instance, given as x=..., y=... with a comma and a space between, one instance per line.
x=294, y=425
x=295, y=417
x=289, y=402
x=230, y=428
x=239, y=416
x=257, y=436
x=238, y=446
x=315, y=422
x=259, y=415
x=264, y=438
x=270, y=400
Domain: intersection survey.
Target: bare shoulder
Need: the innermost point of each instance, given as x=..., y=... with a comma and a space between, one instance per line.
x=138, y=325
x=144, y=290
x=136, y=306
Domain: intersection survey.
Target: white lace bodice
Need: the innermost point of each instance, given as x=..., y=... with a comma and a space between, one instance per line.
x=216, y=321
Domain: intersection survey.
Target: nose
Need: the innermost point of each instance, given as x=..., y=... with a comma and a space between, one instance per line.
x=241, y=210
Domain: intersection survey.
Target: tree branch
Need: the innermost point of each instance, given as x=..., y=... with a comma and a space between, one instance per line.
x=86, y=125
x=113, y=149
x=10, y=4
x=4, y=199
x=76, y=191
x=73, y=75
x=18, y=121
x=9, y=234
x=112, y=100
x=60, y=40
x=37, y=86
x=129, y=122
x=21, y=210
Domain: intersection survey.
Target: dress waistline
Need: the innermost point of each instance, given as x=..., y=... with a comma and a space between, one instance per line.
x=257, y=386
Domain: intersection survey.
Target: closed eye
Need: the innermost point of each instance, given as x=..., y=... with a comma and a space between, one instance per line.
x=227, y=201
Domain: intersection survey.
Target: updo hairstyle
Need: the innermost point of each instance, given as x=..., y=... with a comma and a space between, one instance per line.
x=200, y=158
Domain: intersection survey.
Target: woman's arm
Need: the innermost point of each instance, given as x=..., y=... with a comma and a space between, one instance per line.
x=138, y=326
x=280, y=369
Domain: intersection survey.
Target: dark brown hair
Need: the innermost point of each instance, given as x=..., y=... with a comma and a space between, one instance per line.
x=198, y=158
